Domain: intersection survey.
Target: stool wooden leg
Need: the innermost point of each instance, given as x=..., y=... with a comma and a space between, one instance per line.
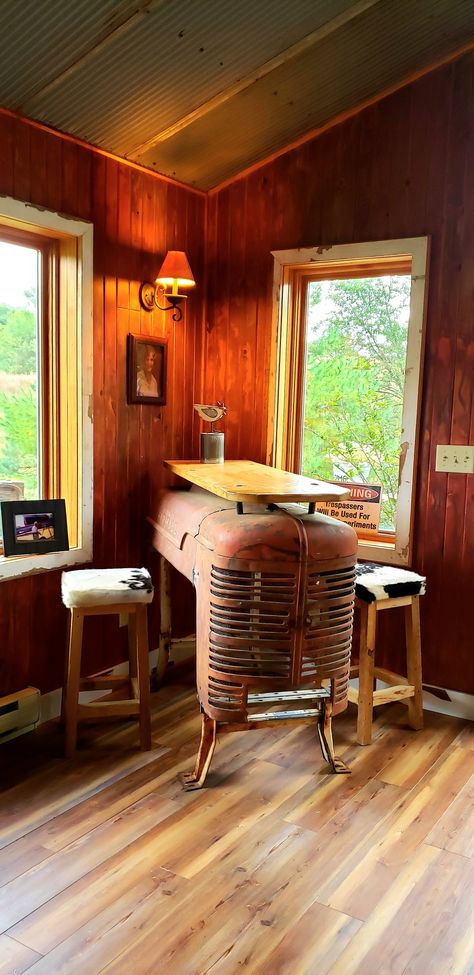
x=141, y=644
x=368, y=629
x=66, y=672
x=73, y=674
x=413, y=641
x=134, y=690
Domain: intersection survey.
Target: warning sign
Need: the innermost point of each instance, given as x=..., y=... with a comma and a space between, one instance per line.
x=361, y=510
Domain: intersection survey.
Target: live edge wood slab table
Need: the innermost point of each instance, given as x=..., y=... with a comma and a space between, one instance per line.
x=274, y=594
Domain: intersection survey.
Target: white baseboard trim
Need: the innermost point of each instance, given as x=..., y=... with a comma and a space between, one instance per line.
x=459, y=705
x=454, y=703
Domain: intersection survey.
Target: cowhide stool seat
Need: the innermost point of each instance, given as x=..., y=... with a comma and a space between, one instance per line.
x=93, y=592
x=381, y=587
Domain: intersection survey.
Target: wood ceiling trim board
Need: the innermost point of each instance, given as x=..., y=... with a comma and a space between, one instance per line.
x=343, y=116
x=264, y=69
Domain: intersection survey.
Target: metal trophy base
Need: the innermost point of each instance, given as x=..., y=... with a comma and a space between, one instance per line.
x=212, y=448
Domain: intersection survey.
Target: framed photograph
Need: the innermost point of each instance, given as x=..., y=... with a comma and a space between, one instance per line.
x=146, y=373
x=33, y=527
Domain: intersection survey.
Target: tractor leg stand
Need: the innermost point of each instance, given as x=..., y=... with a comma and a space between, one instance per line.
x=325, y=740
x=196, y=779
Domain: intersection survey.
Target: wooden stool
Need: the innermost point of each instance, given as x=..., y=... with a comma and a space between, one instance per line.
x=94, y=592
x=381, y=587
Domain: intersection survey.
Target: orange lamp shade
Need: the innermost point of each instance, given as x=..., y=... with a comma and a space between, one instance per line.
x=175, y=270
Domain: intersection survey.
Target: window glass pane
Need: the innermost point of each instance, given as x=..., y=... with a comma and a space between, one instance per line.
x=355, y=374
x=19, y=377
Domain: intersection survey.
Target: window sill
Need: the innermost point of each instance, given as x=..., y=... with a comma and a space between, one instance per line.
x=383, y=552
x=24, y=565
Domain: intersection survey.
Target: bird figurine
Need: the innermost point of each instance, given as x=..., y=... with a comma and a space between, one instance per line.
x=210, y=412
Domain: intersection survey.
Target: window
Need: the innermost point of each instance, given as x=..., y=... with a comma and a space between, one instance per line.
x=46, y=370
x=348, y=338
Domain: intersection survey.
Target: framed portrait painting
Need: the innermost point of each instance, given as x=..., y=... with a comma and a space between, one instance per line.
x=34, y=527
x=146, y=372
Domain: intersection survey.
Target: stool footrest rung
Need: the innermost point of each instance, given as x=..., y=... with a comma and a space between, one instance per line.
x=396, y=693
x=107, y=682
x=106, y=708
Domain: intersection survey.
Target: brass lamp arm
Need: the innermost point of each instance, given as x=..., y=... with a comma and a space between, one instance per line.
x=151, y=294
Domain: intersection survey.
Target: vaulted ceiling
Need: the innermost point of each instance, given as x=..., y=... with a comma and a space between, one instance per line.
x=200, y=90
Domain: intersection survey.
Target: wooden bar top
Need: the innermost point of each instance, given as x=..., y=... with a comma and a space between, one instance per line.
x=244, y=480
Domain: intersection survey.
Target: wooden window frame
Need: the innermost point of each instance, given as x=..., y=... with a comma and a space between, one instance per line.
x=66, y=372
x=293, y=270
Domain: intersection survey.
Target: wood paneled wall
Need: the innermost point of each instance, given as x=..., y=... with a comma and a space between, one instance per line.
x=136, y=218
x=401, y=168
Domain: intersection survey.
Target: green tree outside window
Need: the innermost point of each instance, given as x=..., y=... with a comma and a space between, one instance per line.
x=355, y=374
x=18, y=396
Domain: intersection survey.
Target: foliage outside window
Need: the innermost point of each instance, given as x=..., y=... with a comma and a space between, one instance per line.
x=356, y=348
x=46, y=370
x=348, y=327
x=19, y=334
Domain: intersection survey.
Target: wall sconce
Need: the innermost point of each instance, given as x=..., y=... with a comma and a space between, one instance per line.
x=174, y=271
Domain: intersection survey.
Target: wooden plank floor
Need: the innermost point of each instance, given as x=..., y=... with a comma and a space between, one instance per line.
x=107, y=866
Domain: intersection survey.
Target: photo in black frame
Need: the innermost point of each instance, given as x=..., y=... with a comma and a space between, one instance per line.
x=34, y=527
x=146, y=369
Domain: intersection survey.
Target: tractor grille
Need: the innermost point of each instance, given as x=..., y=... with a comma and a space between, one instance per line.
x=250, y=616
x=226, y=696
x=328, y=618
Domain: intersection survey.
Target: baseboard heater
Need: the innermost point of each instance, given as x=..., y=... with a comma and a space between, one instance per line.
x=19, y=713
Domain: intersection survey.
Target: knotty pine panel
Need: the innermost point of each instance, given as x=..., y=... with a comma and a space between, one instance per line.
x=401, y=168
x=137, y=217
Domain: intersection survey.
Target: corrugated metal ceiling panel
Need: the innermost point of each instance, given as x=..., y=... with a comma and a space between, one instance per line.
x=40, y=40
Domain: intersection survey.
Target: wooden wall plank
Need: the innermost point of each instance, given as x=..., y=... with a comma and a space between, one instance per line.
x=154, y=248
x=220, y=272
x=258, y=271
x=39, y=144
x=7, y=155
x=98, y=209
x=69, y=177
x=459, y=325
x=194, y=342
x=21, y=162
x=236, y=376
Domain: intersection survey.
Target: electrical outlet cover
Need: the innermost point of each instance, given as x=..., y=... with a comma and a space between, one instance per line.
x=455, y=458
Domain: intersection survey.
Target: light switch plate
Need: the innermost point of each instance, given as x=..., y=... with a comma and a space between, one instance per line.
x=455, y=459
